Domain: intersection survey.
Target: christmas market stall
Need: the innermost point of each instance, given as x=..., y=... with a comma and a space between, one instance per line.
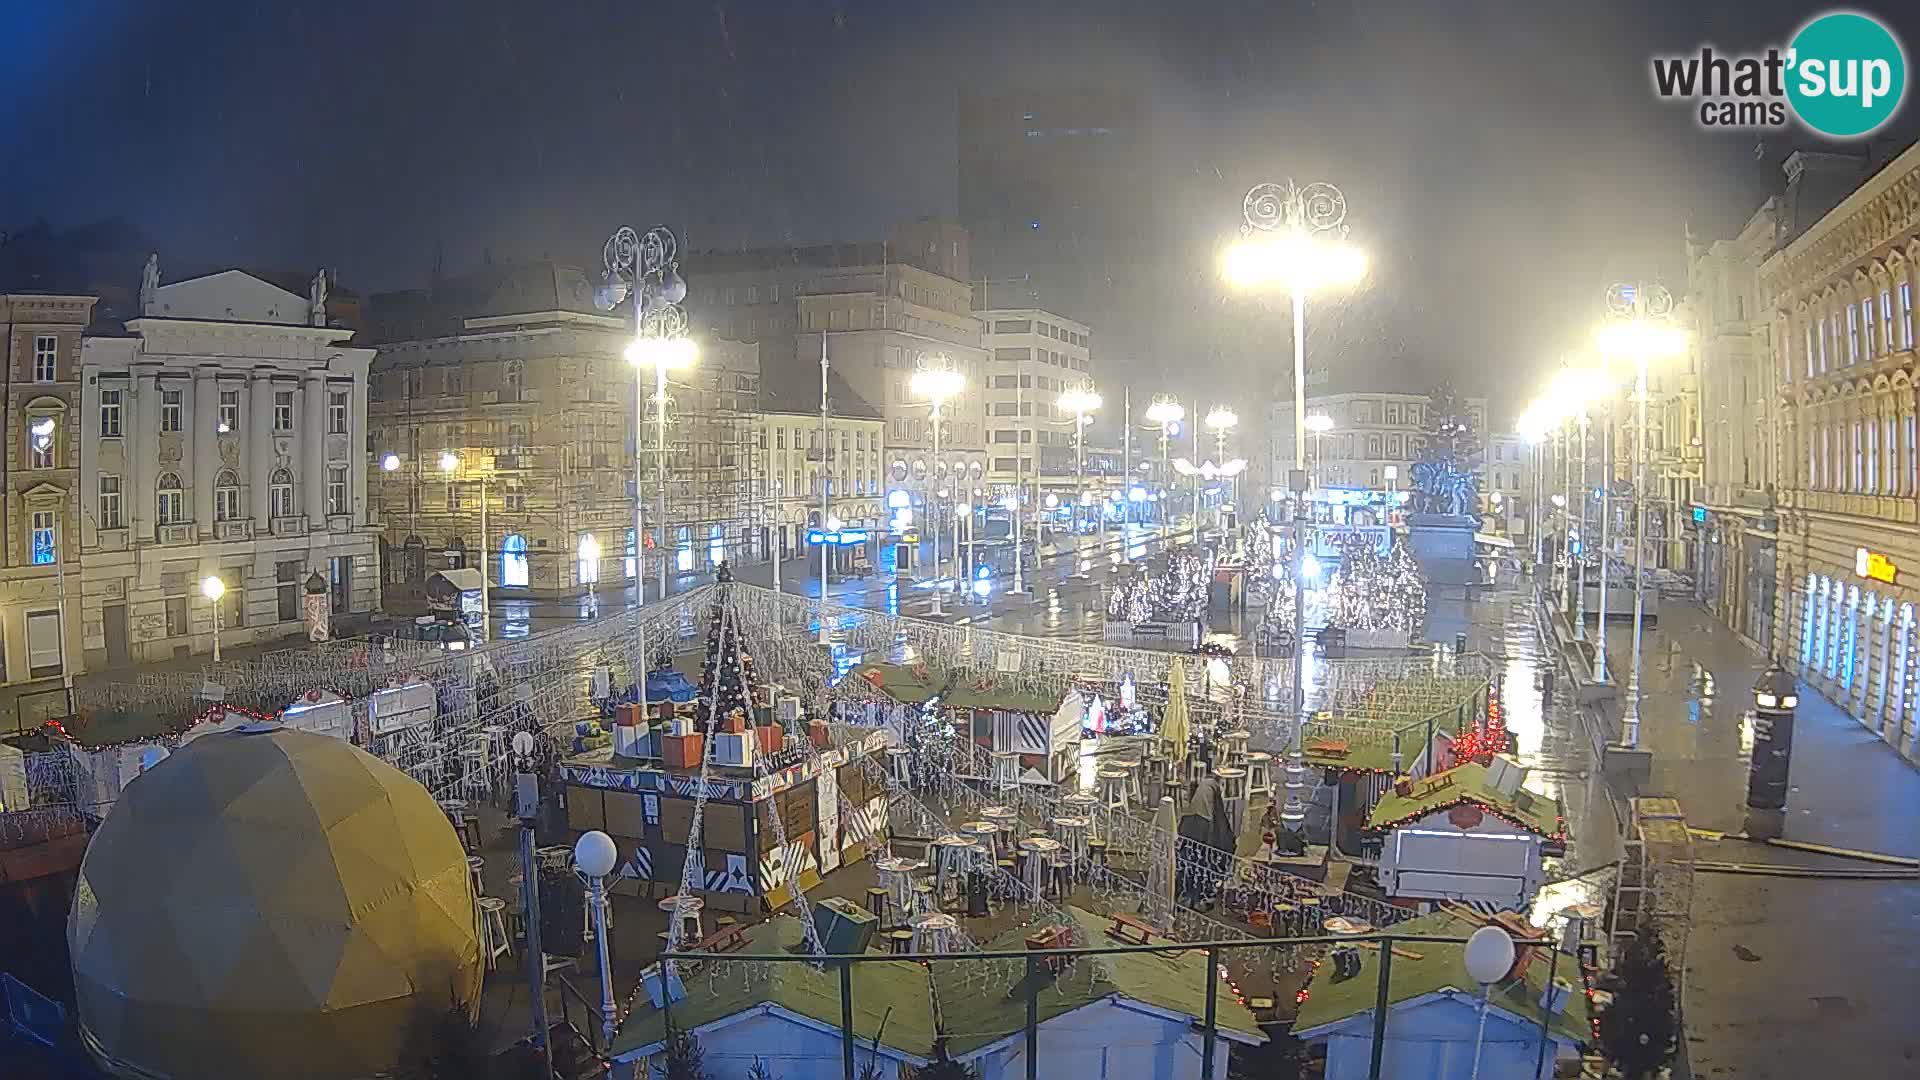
x=777, y=808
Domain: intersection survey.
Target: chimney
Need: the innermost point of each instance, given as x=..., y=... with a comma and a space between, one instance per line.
x=1817, y=181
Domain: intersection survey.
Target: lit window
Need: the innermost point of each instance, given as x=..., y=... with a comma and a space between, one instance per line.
x=44, y=538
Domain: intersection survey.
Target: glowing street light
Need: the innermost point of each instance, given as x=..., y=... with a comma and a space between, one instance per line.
x=213, y=589
x=937, y=381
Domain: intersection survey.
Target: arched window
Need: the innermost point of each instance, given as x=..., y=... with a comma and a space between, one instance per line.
x=170, y=502
x=226, y=496
x=281, y=487
x=513, y=561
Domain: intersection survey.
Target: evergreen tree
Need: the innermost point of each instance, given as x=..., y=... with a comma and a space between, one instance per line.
x=1637, y=1032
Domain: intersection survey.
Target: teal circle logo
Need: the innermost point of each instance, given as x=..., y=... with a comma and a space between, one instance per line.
x=1846, y=74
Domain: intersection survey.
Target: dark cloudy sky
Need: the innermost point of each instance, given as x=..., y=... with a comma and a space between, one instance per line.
x=1502, y=160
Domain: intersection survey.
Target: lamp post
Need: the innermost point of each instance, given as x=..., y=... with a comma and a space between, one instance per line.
x=450, y=464
x=213, y=589
x=646, y=266
x=1640, y=330
x=1081, y=401
x=594, y=855
x=1220, y=421
x=1294, y=238
x=1165, y=413
x=937, y=380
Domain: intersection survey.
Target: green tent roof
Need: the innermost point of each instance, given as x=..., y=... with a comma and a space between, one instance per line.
x=1173, y=982
x=1525, y=809
x=1442, y=966
x=894, y=992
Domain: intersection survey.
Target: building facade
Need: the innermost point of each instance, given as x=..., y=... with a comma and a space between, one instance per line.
x=1033, y=355
x=40, y=337
x=1841, y=300
x=222, y=435
x=1374, y=440
x=524, y=383
x=1734, y=546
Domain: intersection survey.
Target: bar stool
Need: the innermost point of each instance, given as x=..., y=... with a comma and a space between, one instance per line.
x=1233, y=749
x=896, y=876
x=899, y=765
x=933, y=933
x=1038, y=848
x=952, y=856
x=1260, y=774
x=1233, y=788
x=493, y=929
x=1113, y=789
x=1006, y=770
x=1072, y=834
x=687, y=910
x=986, y=834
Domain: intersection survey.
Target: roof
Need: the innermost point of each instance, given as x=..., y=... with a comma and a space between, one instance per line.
x=916, y=684
x=1173, y=982
x=896, y=993
x=1524, y=809
x=1441, y=966
x=800, y=399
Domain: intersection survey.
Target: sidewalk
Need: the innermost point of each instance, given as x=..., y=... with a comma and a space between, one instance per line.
x=1786, y=977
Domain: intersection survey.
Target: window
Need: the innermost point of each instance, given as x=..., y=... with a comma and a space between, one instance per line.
x=170, y=503
x=229, y=411
x=170, y=410
x=109, y=414
x=337, y=489
x=283, y=410
x=43, y=538
x=226, y=496
x=337, y=412
x=46, y=350
x=280, y=493
x=109, y=502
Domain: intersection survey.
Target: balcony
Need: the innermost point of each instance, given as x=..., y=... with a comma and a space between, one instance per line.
x=241, y=529
x=289, y=526
x=177, y=534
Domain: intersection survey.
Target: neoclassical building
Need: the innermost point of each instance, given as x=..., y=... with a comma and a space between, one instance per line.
x=222, y=434
x=1842, y=302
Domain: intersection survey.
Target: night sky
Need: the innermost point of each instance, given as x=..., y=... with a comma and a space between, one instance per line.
x=1502, y=161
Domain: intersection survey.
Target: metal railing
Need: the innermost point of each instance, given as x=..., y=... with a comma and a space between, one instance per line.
x=1039, y=962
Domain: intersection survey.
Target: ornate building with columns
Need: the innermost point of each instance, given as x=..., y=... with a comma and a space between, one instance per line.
x=223, y=434
x=1842, y=301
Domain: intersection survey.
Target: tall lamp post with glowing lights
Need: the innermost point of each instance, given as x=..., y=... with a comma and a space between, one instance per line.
x=1165, y=413
x=1081, y=401
x=1220, y=421
x=646, y=266
x=937, y=380
x=1294, y=238
x=450, y=464
x=1640, y=330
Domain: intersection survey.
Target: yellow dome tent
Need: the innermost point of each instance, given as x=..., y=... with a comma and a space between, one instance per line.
x=269, y=902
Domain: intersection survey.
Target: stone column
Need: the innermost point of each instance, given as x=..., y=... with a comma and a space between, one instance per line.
x=313, y=452
x=142, y=444
x=259, y=465
x=203, y=412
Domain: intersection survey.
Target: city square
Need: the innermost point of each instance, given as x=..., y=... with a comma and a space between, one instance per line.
x=1141, y=571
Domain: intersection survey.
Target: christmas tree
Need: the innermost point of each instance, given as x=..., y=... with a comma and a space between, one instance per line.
x=1636, y=1032
x=726, y=672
